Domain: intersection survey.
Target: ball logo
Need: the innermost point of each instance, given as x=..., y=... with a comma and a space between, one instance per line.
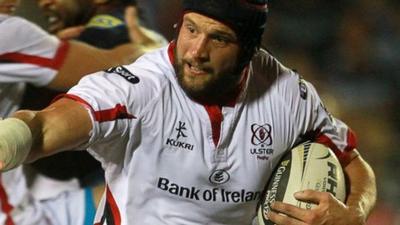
x=219, y=177
x=261, y=134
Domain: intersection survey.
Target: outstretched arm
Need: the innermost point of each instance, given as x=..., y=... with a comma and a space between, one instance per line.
x=83, y=59
x=30, y=135
x=330, y=211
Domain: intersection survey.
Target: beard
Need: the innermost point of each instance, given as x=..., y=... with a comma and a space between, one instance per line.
x=216, y=89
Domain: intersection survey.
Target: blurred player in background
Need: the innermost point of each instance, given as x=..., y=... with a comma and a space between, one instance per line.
x=30, y=55
x=87, y=19
x=100, y=23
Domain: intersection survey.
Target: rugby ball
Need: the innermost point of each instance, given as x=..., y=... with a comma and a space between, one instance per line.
x=307, y=166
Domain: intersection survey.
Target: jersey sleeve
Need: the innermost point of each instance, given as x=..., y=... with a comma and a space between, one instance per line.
x=116, y=100
x=28, y=53
x=313, y=120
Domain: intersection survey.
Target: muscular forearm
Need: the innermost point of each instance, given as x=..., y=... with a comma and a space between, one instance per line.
x=362, y=187
x=32, y=120
x=61, y=126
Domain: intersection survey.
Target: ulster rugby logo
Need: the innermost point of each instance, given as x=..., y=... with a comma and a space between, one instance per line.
x=180, y=134
x=261, y=138
x=261, y=134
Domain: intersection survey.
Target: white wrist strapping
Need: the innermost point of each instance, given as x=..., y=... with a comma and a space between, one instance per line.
x=15, y=142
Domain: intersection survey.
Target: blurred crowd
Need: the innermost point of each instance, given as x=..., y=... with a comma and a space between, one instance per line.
x=350, y=51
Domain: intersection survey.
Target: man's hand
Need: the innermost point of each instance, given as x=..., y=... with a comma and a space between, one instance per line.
x=140, y=36
x=329, y=211
x=15, y=143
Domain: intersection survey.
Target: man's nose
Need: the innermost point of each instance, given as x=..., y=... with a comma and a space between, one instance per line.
x=199, y=48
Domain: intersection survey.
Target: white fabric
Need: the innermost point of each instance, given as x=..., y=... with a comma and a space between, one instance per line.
x=44, y=187
x=161, y=164
x=22, y=37
x=67, y=208
x=19, y=36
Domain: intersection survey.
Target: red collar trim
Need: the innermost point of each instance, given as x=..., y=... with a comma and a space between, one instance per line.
x=171, y=52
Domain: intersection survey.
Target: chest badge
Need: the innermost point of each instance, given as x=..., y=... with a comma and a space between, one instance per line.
x=219, y=177
x=180, y=141
x=261, y=140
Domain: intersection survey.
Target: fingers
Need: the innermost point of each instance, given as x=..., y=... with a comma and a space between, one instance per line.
x=327, y=208
x=290, y=210
x=138, y=34
x=132, y=23
x=310, y=196
x=282, y=219
x=131, y=17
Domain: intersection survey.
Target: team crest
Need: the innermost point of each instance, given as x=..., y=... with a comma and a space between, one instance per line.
x=261, y=140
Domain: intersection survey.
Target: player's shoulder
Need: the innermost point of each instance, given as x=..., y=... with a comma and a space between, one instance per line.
x=19, y=30
x=283, y=82
x=154, y=66
x=144, y=77
x=267, y=67
x=3, y=17
x=17, y=23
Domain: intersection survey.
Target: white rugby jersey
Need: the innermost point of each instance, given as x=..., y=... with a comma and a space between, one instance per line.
x=170, y=160
x=19, y=208
x=27, y=55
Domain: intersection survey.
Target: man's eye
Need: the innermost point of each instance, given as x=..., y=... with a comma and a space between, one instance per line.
x=190, y=29
x=221, y=39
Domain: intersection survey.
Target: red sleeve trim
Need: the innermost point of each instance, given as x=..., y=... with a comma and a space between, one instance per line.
x=6, y=207
x=53, y=63
x=114, y=207
x=73, y=97
x=61, y=55
x=118, y=112
x=345, y=156
x=351, y=140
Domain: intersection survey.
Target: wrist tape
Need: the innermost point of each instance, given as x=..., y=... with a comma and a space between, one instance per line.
x=15, y=142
